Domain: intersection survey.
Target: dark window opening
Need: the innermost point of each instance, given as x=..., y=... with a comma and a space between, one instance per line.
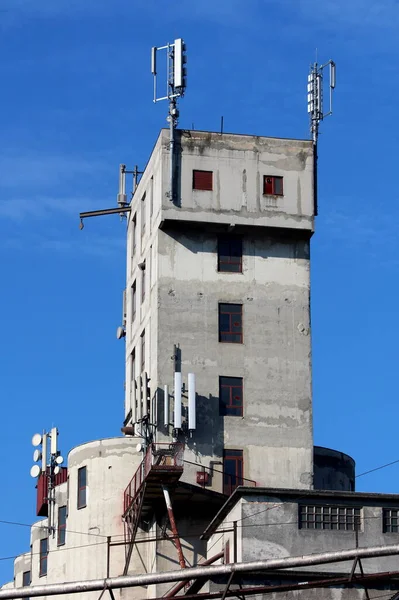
x=203, y=180
x=43, y=557
x=227, y=552
x=143, y=283
x=272, y=185
x=232, y=470
x=390, y=520
x=230, y=323
x=134, y=234
x=82, y=487
x=143, y=351
x=61, y=533
x=230, y=254
x=134, y=301
x=342, y=518
x=231, y=396
x=25, y=578
x=143, y=215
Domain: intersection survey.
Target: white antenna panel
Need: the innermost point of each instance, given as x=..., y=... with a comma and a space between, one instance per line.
x=53, y=440
x=192, y=396
x=44, y=453
x=178, y=63
x=37, y=455
x=166, y=406
x=177, y=415
x=154, y=60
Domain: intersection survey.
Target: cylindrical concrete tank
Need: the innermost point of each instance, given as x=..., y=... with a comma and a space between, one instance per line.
x=333, y=470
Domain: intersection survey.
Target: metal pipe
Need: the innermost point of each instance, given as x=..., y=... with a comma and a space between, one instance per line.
x=287, y=587
x=96, y=585
x=182, y=584
x=173, y=527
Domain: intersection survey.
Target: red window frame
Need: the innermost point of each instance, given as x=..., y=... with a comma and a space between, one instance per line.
x=202, y=180
x=273, y=185
x=229, y=254
x=233, y=470
x=61, y=529
x=231, y=397
x=230, y=323
x=82, y=488
x=43, y=557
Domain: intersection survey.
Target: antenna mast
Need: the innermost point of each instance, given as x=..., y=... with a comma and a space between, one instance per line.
x=315, y=106
x=176, y=83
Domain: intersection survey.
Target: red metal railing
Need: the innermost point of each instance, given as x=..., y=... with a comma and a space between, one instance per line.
x=159, y=457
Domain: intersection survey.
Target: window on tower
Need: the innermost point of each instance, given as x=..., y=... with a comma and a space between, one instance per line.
x=230, y=323
x=62, y=515
x=134, y=234
x=43, y=557
x=230, y=254
x=82, y=487
x=272, y=185
x=203, y=180
x=134, y=301
x=25, y=578
x=143, y=213
x=232, y=470
x=143, y=281
x=231, y=396
x=143, y=351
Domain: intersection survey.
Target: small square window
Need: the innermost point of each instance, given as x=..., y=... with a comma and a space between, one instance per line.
x=272, y=185
x=390, y=520
x=82, y=487
x=230, y=323
x=43, y=557
x=229, y=254
x=203, y=180
x=230, y=396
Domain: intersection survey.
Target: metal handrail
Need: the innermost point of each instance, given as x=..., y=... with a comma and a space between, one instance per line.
x=159, y=456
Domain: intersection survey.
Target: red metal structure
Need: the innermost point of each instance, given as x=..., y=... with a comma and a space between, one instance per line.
x=161, y=468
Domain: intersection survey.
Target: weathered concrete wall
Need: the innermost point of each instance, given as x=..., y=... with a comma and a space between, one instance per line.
x=110, y=463
x=239, y=163
x=268, y=528
x=333, y=470
x=275, y=431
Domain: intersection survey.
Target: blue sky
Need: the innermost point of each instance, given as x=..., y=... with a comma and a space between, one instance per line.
x=77, y=100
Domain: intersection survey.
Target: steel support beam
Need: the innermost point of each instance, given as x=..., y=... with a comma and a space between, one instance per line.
x=257, y=566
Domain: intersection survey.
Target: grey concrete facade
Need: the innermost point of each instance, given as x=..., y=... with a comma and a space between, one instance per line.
x=177, y=243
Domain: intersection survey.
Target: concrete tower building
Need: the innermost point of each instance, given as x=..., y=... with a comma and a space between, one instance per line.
x=224, y=469
x=221, y=272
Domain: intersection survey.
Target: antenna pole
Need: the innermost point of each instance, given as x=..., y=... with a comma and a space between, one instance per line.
x=315, y=109
x=175, y=88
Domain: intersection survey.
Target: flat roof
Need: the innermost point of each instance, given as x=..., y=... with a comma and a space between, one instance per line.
x=296, y=495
